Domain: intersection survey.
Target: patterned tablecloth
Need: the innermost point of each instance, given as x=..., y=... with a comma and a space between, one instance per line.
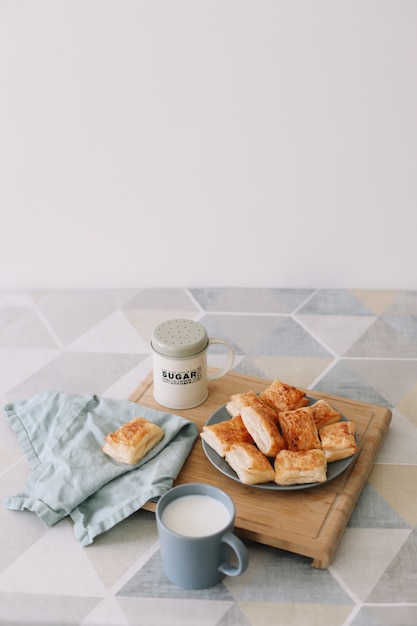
x=357, y=344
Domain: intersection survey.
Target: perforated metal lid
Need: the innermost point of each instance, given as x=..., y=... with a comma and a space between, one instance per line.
x=179, y=338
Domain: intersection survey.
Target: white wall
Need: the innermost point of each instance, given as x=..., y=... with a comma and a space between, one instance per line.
x=208, y=143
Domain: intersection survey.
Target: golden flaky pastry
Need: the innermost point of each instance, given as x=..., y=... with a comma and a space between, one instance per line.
x=323, y=414
x=240, y=401
x=283, y=429
x=222, y=435
x=300, y=468
x=264, y=431
x=251, y=466
x=299, y=430
x=133, y=440
x=338, y=441
x=283, y=397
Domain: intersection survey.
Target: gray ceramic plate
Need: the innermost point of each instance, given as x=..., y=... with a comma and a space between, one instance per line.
x=333, y=469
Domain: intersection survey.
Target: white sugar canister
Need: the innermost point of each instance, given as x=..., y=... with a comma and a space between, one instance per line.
x=180, y=373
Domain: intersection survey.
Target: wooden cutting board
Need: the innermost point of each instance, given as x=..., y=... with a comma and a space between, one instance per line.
x=307, y=521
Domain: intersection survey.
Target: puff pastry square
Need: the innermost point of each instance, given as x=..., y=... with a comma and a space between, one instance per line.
x=299, y=430
x=324, y=414
x=300, y=468
x=251, y=466
x=283, y=397
x=264, y=431
x=238, y=400
x=338, y=441
x=132, y=440
x=222, y=435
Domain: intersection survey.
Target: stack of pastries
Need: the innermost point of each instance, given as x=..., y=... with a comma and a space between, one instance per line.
x=277, y=436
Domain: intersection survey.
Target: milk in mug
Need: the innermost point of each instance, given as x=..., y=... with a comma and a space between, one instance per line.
x=195, y=515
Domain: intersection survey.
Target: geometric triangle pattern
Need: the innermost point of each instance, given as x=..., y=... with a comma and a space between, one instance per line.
x=377, y=615
x=274, y=582
x=372, y=511
x=150, y=582
x=334, y=302
x=360, y=344
x=398, y=582
x=385, y=341
x=343, y=380
x=24, y=608
x=374, y=550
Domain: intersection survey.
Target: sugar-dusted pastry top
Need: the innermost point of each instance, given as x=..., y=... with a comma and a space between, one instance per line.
x=298, y=468
x=222, y=435
x=283, y=397
x=338, y=440
x=132, y=440
x=299, y=430
x=323, y=413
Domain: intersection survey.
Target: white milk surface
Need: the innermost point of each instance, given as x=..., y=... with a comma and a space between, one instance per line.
x=195, y=515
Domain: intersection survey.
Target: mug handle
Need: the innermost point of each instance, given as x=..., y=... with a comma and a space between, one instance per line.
x=218, y=373
x=239, y=549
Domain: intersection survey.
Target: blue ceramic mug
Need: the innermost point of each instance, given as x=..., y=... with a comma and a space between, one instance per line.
x=195, y=525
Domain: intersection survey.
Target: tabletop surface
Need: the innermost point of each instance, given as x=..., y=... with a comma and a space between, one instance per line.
x=360, y=345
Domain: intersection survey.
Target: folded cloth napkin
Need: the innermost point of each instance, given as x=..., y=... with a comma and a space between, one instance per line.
x=62, y=436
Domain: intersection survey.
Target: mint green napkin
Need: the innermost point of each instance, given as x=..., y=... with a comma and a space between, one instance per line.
x=62, y=435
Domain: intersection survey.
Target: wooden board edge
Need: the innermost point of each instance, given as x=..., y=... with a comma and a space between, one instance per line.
x=358, y=472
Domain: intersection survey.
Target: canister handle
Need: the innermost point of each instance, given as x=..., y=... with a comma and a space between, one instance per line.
x=221, y=371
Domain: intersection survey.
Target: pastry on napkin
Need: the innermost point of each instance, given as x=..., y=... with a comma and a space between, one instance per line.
x=129, y=443
x=62, y=436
